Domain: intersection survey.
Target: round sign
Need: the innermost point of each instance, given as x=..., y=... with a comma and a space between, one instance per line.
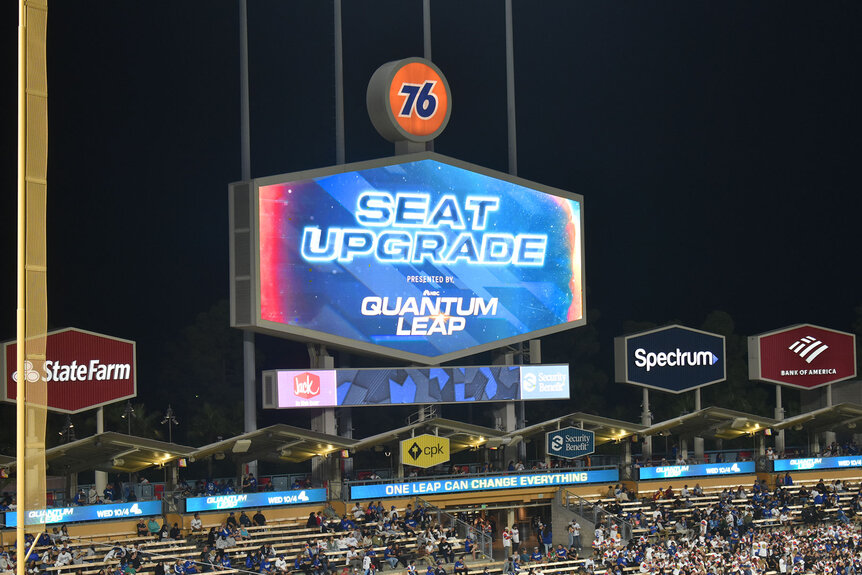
x=409, y=100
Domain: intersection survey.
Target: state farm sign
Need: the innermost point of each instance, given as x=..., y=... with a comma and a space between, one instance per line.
x=83, y=370
x=804, y=356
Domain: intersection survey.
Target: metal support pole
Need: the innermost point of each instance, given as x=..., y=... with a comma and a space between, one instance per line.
x=426, y=48
x=829, y=436
x=698, y=441
x=510, y=91
x=248, y=353
x=101, y=476
x=339, y=85
x=646, y=420
x=779, y=416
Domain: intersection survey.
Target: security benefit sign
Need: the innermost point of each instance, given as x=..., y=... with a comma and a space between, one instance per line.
x=570, y=442
x=672, y=358
x=421, y=258
x=802, y=356
x=425, y=451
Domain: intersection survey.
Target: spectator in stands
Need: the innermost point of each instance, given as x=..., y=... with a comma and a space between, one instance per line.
x=470, y=547
x=444, y=550
x=164, y=533
x=537, y=556
x=175, y=532
x=244, y=519
x=196, y=524
x=259, y=519
x=440, y=570
x=281, y=565
x=249, y=483
x=142, y=528
x=153, y=526
x=231, y=520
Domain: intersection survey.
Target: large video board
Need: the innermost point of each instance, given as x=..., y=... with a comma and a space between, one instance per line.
x=421, y=257
x=284, y=389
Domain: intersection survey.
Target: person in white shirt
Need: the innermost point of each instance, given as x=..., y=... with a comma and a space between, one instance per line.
x=63, y=558
x=516, y=537
x=366, y=565
x=281, y=565
x=196, y=523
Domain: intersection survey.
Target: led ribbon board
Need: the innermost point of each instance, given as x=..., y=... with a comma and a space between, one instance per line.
x=246, y=500
x=87, y=513
x=284, y=389
x=812, y=463
x=421, y=258
x=461, y=485
x=700, y=470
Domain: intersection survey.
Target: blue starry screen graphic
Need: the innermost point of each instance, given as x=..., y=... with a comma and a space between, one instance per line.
x=423, y=258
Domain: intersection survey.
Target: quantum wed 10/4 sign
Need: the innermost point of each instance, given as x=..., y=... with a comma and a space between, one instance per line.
x=421, y=257
x=284, y=389
x=803, y=356
x=672, y=358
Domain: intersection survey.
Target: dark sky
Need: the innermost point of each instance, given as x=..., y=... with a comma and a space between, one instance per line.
x=717, y=144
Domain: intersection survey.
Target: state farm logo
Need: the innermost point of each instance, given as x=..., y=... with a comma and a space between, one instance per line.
x=306, y=385
x=30, y=374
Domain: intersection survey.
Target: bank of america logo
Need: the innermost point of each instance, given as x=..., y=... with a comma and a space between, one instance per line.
x=808, y=348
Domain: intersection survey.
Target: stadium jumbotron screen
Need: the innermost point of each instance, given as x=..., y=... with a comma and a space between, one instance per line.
x=421, y=258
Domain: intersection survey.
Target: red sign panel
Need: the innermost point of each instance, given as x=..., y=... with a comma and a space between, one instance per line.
x=83, y=370
x=803, y=356
x=306, y=385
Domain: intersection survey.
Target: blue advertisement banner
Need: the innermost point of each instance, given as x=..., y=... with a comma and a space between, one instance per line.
x=672, y=358
x=87, y=513
x=392, y=386
x=246, y=500
x=427, y=259
x=811, y=463
x=461, y=485
x=700, y=470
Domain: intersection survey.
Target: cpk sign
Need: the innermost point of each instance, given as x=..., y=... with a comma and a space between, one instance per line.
x=804, y=356
x=82, y=370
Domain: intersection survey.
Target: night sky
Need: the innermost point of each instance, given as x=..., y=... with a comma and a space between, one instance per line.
x=717, y=145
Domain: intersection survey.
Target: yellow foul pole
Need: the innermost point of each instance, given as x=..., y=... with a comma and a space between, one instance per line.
x=20, y=316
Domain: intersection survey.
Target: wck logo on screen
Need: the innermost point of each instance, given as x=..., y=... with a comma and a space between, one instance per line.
x=306, y=385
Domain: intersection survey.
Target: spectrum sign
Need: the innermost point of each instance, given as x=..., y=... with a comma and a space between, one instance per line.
x=812, y=463
x=672, y=358
x=699, y=470
x=83, y=370
x=421, y=257
x=284, y=389
x=87, y=513
x=803, y=356
x=246, y=500
x=439, y=486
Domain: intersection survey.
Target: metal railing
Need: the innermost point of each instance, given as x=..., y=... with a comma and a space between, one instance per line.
x=484, y=541
x=577, y=504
